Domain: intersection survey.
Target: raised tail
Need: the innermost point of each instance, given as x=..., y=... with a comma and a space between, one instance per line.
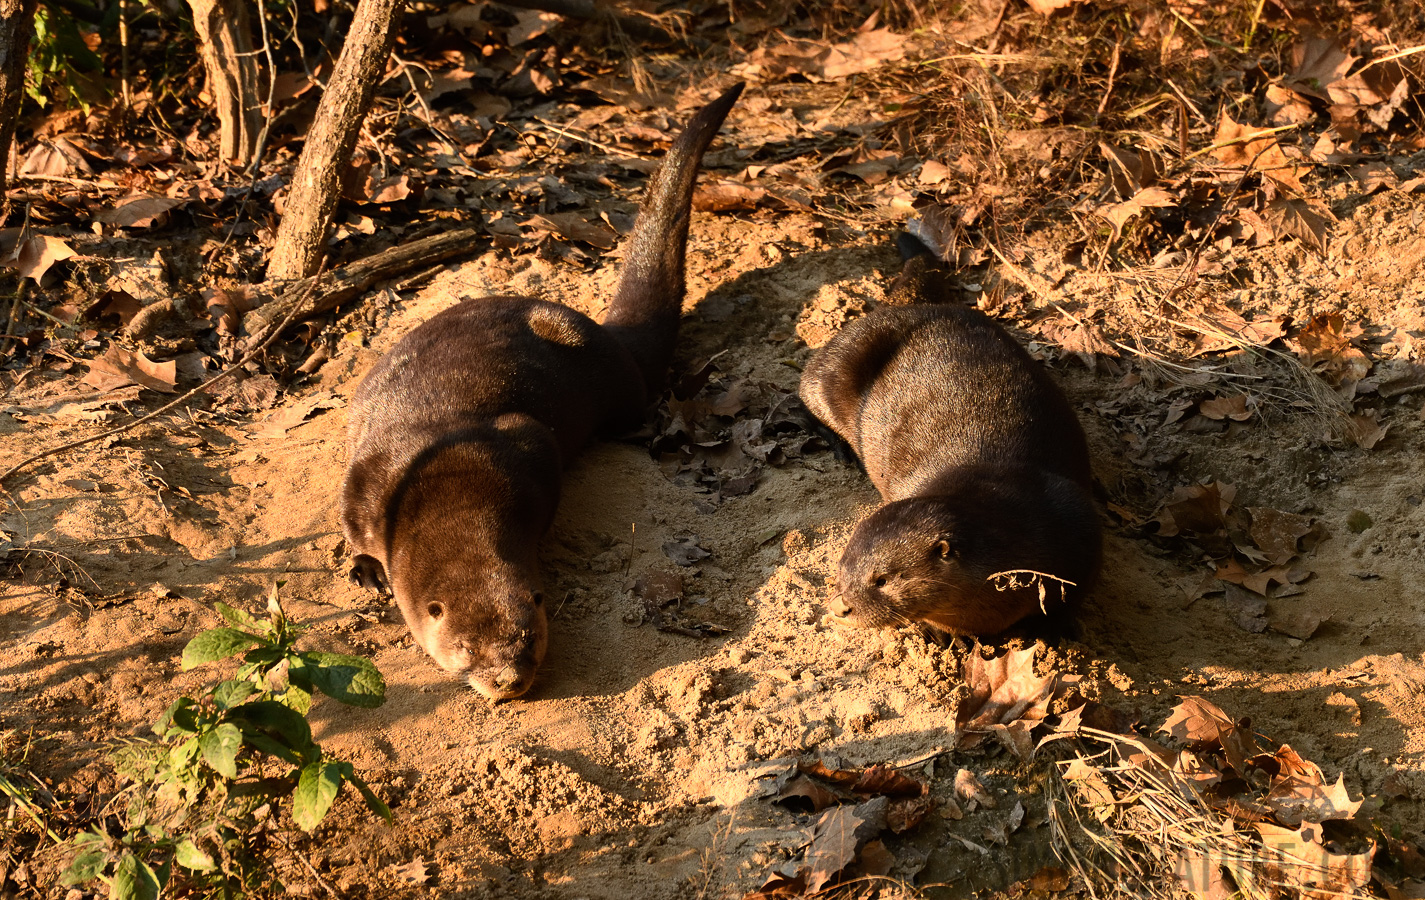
x=645, y=310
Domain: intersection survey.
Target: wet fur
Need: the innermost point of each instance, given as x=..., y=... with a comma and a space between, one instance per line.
x=458, y=437
x=977, y=454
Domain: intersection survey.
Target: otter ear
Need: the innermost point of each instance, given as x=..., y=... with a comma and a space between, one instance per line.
x=943, y=550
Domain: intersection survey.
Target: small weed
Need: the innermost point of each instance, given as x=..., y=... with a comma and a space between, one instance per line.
x=206, y=796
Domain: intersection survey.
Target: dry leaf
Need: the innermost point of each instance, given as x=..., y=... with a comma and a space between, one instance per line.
x=1297, y=798
x=1238, y=144
x=1045, y=7
x=1248, y=611
x=684, y=550
x=295, y=414
x=1196, y=509
x=806, y=793
x=1197, y=721
x=34, y=256
x=1365, y=430
x=1307, y=220
x=119, y=367
x=139, y=211
x=1298, y=623
x=576, y=227
x=1278, y=533
x=1234, y=408
x=1002, y=690
x=969, y=789
x=1300, y=860
x=833, y=846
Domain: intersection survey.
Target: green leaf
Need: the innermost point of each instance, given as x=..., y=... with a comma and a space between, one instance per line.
x=215, y=644
x=187, y=855
x=297, y=699
x=239, y=618
x=90, y=860
x=232, y=693
x=376, y=804
x=181, y=716
x=183, y=754
x=133, y=880
x=349, y=679
x=273, y=728
x=220, y=748
x=316, y=789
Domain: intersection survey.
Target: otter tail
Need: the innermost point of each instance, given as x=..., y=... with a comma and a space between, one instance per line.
x=923, y=277
x=644, y=313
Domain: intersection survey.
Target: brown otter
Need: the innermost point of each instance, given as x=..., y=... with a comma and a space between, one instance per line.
x=457, y=437
x=982, y=464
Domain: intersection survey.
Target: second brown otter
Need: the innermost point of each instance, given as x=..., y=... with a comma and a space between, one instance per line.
x=988, y=517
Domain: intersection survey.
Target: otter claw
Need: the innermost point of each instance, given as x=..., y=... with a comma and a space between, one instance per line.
x=368, y=573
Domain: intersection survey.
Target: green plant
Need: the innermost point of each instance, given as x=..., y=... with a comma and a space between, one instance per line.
x=57, y=54
x=207, y=795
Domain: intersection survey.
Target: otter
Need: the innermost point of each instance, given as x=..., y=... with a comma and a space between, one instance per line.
x=458, y=436
x=988, y=516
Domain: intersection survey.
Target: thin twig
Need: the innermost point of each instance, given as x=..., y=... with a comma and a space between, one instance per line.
x=206, y=386
x=302, y=857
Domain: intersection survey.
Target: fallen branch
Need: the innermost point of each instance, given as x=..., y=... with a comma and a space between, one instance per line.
x=267, y=338
x=300, y=300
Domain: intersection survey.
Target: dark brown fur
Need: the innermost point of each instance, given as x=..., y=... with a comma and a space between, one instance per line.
x=982, y=464
x=459, y=435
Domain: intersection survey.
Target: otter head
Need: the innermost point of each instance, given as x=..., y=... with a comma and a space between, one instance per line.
x=489, y=631
x=924, y=559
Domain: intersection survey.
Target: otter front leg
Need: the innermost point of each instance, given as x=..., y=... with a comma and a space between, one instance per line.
x=369, y=574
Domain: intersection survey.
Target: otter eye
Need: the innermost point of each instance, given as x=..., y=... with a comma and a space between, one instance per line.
x=943, y=550
x=538, y=598
x=435, y=610
x=879, y=581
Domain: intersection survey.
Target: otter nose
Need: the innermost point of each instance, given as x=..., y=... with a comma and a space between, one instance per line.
x=839, y=607
x=506, y=679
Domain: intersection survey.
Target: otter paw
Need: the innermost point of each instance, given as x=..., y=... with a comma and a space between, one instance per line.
x=369, y=574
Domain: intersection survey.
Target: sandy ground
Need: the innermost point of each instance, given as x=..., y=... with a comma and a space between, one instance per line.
x=639, y=765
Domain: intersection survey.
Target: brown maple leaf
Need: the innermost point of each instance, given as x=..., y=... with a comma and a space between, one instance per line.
x=1003, y=691
x=1299, y=859
x=1196, y=721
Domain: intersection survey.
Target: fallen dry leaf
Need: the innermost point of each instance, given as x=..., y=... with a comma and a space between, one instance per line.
x=576, y=227
x=1238, y=144
x=806, y=793
x=684, y=550
x=1196, y=509
x=1299, y=859
x=1307, y=220
x=1045, y=7
x=969, y=789
x=1199, y=722
x=1278, y=533
x=1307, y=798
x=1365, y=430
x=119, y=367
x=34, y=255
x=1298, y=623
x=1234, y=408
x=833, y=846
x=1247, y=610
x=1003, y=691
x=139, y=211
